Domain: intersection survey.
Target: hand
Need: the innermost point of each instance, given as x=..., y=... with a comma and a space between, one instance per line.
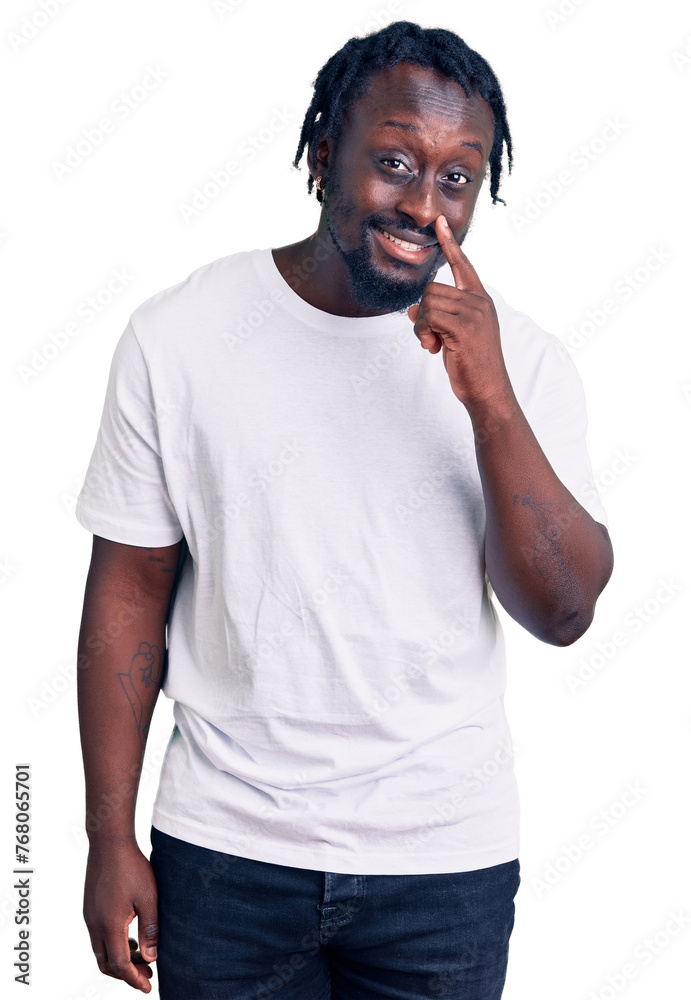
x=120, y=885
x=460, y=321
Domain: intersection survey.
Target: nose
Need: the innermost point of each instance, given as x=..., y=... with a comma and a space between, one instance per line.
x=419, y=202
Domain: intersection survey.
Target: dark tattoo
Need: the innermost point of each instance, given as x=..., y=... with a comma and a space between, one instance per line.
x=547, y=544
x=164, y=568
x=145, y=670
x=158, y=559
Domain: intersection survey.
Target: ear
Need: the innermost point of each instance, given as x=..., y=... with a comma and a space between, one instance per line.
x=320, y=164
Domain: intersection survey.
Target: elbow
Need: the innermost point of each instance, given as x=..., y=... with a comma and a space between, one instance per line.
x=563, y=616
x=559, y=627
x=570, y=628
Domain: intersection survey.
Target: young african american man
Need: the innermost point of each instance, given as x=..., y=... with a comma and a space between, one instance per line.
x=319, y=514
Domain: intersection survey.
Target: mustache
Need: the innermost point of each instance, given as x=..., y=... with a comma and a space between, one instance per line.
x=428, y=233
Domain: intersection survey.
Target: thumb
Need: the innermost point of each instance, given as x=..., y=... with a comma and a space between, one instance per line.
x=147, y=920
x=413, y=311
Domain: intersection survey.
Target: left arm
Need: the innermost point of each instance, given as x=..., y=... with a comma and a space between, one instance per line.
x=547, y=559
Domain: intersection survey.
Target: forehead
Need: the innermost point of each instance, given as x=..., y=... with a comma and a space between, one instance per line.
x=423, y=97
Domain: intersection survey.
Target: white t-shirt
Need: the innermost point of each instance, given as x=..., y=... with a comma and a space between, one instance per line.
x=335, y=659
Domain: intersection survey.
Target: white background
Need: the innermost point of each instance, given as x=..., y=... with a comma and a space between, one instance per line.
x=578, y=921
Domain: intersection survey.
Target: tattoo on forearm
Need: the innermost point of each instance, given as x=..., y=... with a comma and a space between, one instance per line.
x=145, y=670
x=547, y=546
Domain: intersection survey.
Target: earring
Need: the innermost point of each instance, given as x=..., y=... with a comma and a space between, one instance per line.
x=319, y=182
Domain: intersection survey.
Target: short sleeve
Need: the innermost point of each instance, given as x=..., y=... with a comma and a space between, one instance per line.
x=125, y=497
x=557, y=416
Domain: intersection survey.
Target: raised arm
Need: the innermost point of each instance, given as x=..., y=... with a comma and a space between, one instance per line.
x=547, y=559
x=121, y=660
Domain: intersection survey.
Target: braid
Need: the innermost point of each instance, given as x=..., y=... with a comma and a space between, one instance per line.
x=344, y=78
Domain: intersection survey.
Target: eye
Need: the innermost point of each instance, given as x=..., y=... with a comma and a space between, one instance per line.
x=392, y=159
x=461, y=178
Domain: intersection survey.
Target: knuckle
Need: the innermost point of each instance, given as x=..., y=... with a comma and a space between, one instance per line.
x=118, y=966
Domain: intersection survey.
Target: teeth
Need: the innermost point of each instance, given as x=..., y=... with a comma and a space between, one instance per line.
x=401, y=243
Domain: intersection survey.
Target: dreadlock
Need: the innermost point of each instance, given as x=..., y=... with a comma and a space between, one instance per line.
x=344, y=78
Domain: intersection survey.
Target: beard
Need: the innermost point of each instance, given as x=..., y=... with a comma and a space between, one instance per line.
x=370, y=287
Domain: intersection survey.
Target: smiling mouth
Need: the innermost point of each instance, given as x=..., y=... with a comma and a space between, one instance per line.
x=404, y=243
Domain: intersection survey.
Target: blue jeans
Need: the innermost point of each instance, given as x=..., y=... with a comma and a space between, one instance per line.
x=232, y=928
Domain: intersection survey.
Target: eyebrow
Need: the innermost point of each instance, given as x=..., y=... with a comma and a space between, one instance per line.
x=409, y=127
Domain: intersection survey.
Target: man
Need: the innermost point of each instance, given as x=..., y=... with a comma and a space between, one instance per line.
x=337, y=808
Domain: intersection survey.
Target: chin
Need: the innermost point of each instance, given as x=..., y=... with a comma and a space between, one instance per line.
x=378, y=289
x=375, y=287
x=392, y=296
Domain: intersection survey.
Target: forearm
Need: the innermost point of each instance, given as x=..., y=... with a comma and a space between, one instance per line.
x=121, y=654
x=546, y=557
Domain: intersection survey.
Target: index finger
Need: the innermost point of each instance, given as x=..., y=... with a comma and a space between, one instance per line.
x=464, y=274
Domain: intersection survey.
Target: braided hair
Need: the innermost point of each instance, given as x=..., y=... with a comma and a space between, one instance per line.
x=344, y=78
